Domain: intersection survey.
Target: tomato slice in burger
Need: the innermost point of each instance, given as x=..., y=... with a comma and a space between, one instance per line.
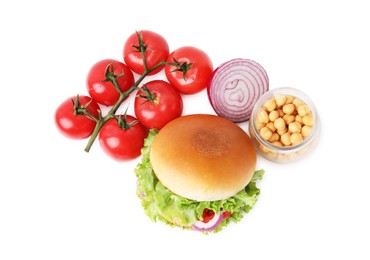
x=207, y=215
x=226, y=214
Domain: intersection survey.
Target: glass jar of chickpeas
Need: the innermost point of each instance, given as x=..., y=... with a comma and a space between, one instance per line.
x=284, y=125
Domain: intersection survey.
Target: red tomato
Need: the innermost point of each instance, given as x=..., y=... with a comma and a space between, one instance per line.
x=69, y=120
x=157, y=103
x=102, y=91
x=189, y=69
x=226, y=214
x=156, y=50
x=122, y=142
x=207, y=215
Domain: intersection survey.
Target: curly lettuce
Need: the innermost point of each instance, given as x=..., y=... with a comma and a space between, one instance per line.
x=158, y=201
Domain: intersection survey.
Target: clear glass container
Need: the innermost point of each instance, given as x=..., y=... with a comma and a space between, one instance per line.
x=273, y=150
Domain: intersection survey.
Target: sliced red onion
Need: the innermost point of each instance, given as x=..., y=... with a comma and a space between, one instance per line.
x=235, y=87
x=211, y=225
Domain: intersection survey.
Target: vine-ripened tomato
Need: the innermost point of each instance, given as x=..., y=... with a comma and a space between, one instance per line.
x=157, y=103
x=72, y=125
x=122, y=140
x=189, y=69
x=102, y=91
x=156, y=50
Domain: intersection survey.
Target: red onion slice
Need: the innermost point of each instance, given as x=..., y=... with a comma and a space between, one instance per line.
x=235, y=87
x=210, y=225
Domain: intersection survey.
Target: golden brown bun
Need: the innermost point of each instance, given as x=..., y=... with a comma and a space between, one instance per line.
x=203, y=157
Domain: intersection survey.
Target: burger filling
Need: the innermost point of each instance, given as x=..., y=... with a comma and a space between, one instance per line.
x=161, y=204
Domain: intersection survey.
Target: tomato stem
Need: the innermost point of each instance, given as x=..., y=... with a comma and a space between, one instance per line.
x=181, y=67
x=110, y=76
x=111, y=113
x=147, y=95
x=82, y=110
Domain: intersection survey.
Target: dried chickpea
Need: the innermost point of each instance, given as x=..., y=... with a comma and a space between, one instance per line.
x=278, y=143
x=289, y=99
x=307, y=120
x=288, y=109
x=279, y=123
x=288, y=119
x=280, y=111
x=263, y=117
x=265, y=149
x=303, y=110
x=297, y=102
x=273, y=115
x=296, y=138
x=259, y=125
x=298, y=119
x=280, y=100
x=295, y=127
x=284, y=121
x=306, y=131
x=265, y=133
x=285, y=139
x=274, y=137
x=270, y=125
x=270, y=105
x=282, y=131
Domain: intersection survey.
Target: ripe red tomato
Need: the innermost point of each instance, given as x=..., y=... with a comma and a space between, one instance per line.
x=122, y=140
x=207, y=215
x=157, y=103
x=102, y=91
x=72, y=125
x=189, y=69
x=156, y=48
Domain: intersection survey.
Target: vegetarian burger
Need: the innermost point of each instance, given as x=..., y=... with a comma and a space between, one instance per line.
x=198, y=172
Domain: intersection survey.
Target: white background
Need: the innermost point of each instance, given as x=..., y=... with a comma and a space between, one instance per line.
x=57, y=202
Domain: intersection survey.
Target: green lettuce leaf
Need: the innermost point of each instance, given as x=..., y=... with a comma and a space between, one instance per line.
x=158, y=201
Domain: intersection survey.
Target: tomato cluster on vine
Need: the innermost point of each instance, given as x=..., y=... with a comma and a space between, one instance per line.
x=109, y=82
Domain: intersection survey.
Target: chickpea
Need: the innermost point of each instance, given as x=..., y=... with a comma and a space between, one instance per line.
x=289, y=99
x=263, y=117
x=296, y=138
x=278, y=143
x=264, y=149
x=274, y=137
x=306, y=131
x=285, y=139
x=270, y=125
x=259, y=125
x=280, y=111
x=270, y=105
x=295, y=127
x=273, y=115
x=282, y=131
x=265, y=133
x=303, y=110
x=279, y=123
x=297, y=102
x=288, y=109
x=307, y=120
x=284, y=121
x=280, y=100
x=298, y=119
x=288, y=119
